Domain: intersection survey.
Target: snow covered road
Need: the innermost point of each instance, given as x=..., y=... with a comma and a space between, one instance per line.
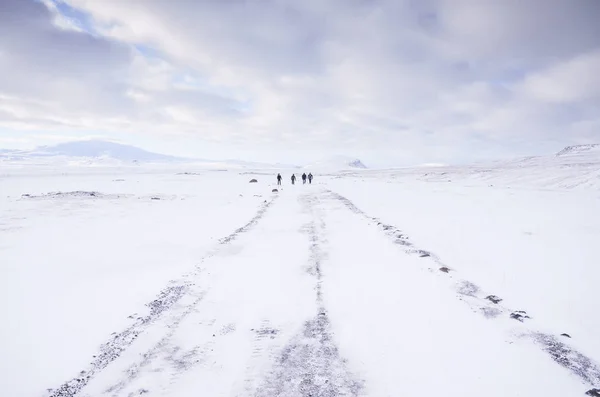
x=314, y=297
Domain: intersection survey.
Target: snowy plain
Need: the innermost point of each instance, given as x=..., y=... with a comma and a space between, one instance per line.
x=180, y=280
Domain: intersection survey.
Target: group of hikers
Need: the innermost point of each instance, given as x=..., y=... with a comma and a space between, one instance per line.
x=304, y=178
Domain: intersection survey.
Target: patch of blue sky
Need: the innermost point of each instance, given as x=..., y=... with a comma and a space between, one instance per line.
x=148, y=52
x=189, y=79
x=79, y=18
x=193, y=80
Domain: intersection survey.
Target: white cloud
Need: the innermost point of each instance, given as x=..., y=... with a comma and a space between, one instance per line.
x=574, y=80
x=394, y=81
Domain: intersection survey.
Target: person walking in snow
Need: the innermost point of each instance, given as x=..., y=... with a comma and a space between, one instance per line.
x=310, y=177
x=293, y=179
x=304, y=178
x=278, y=179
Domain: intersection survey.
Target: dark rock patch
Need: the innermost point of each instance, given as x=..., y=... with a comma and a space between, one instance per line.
x=65, y=195
x=519, y=315
x=253, y=181
x=566, y=335
x=571, y=359
x=593, y=393
x=275, y=190
x=444, y=269
x=493, y=299
x=266, y=332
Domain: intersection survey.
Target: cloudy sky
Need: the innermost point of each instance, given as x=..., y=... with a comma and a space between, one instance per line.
x=392, y=82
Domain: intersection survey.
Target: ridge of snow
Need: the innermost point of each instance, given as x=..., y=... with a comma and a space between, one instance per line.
x=577, y=149
x=574, y=167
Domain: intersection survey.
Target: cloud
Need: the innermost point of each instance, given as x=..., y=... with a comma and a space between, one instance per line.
x=571, y=81
x=391, y=81
x=528, y=32
x=65, y=72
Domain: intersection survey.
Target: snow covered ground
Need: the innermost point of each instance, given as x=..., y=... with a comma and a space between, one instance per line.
x=183, y=282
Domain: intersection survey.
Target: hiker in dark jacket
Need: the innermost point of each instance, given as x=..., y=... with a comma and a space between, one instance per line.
x=304, y=178
x=310, y=178
x=293, y=179
x=279, y=179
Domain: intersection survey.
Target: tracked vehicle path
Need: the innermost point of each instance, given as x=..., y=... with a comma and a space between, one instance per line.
x=315, y=298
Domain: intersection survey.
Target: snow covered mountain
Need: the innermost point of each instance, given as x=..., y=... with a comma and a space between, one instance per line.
x=257, y=165
x=86, y=151
x=337, y=163
x=97, y=152
x=106, y=149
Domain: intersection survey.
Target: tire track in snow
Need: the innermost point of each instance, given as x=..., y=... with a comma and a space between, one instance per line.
x=564, y=355
x=310, y=365
x=165, y=301
x=266, y=345
x=163, y=349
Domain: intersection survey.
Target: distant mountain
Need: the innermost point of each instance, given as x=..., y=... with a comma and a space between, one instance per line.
x=103, y=149
x=97, y=152
x=356, y=163
x=338, y=163
x=86, y=152
x=254, y=164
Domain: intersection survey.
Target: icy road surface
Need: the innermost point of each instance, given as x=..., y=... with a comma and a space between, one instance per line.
x=305, y=294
